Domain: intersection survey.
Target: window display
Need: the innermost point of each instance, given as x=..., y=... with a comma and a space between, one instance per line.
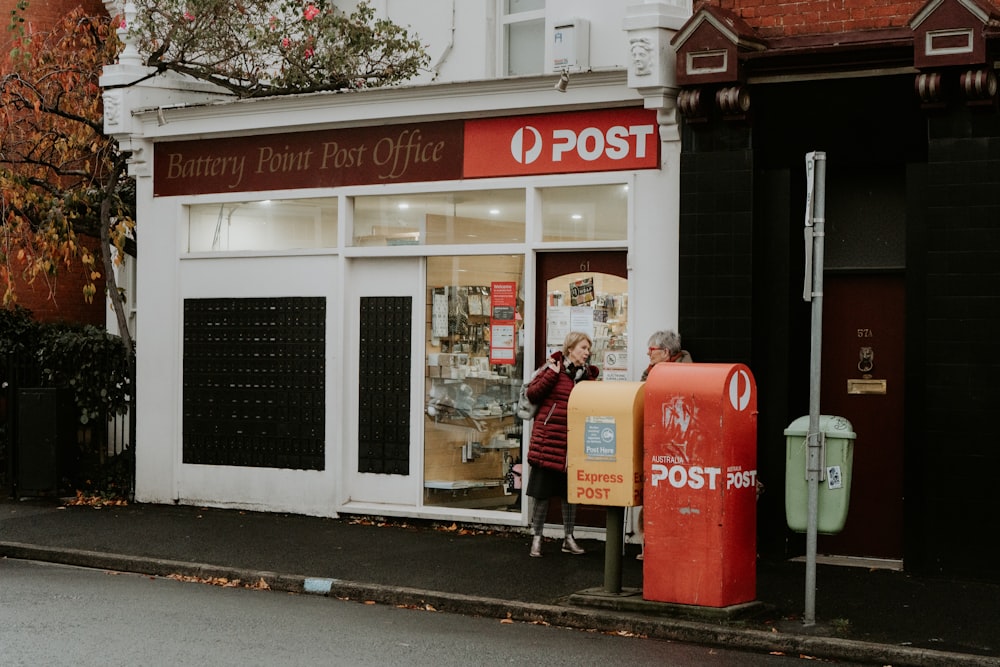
x=472, y=436
x=597, y=304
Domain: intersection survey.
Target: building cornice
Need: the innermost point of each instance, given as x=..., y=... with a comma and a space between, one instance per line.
x=233, y=117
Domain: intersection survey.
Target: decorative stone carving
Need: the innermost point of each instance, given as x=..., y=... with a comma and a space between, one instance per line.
x=112, y=110
x=641, y=49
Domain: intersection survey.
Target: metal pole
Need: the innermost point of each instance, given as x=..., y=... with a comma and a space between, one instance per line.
x=614, y=535
x=814, y=458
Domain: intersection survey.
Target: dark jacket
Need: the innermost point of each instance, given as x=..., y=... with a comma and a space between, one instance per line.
x=550, y=392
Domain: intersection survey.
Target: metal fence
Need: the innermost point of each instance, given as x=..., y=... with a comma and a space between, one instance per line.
x=46, y=450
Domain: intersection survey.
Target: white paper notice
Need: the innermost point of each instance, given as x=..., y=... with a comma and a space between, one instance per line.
x=557, y=325
x=502, y=336
x=582, y=319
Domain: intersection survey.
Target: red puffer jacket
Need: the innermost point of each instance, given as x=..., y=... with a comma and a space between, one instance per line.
x=550, y=392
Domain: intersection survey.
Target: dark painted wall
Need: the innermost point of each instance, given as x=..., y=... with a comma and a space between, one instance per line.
x=741, y=265
x=960, y=457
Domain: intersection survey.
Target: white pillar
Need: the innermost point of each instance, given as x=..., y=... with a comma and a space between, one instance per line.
x=654, y=261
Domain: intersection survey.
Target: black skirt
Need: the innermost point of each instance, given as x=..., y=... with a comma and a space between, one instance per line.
x=546, y=483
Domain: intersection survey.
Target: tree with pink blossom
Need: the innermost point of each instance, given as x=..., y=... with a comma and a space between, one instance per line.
x=256, y=48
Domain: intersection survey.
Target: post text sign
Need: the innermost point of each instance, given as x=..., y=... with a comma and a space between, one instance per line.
x=602, y=140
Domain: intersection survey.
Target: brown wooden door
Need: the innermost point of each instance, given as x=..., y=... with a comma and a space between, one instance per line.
x=553, y=265
x=863, y=338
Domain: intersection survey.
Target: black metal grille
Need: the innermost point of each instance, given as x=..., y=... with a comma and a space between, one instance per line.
x=254, y=391
x=384, y=385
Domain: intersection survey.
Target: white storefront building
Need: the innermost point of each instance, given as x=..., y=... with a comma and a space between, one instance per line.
x=339, y=294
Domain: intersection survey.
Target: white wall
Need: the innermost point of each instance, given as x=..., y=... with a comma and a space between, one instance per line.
x=304, y=491
x=167, y=278
x=653, y=271
x=470, y=53
x=161, y=477
x=158, y=361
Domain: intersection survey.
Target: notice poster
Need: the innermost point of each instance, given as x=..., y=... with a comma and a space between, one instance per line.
x=557, y=325
x=439, y=313
x=581, y=318
x=581, y=292
x=600, y=438
x=503, y=309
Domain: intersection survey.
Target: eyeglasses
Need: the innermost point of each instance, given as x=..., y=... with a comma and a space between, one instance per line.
x=656, y=349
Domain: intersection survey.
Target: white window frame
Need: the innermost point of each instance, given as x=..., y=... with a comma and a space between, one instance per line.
x=505, y=20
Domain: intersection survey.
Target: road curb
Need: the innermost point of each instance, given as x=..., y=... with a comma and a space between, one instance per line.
x=564, y=615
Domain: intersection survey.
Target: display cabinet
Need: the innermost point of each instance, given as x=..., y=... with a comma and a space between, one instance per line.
x=471, y=434
x=472, y=439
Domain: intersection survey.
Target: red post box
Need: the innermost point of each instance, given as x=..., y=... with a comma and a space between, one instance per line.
x=699, y=498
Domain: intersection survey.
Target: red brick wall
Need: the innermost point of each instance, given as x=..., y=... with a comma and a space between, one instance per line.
x=790, y=18
x=67, y=303
x=44, y=13
x=40, y=15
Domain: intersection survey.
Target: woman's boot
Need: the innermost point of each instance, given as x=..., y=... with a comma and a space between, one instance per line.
x=570, y=546
x=536, y=546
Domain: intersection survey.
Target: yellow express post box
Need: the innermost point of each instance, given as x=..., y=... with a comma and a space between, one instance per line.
x=605, y=444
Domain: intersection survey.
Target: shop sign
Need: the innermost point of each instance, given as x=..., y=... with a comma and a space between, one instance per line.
x=326, y=158
x=604, y=140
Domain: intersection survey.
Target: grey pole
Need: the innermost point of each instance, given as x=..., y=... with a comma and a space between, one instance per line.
x=814, y=456
x=614, y=539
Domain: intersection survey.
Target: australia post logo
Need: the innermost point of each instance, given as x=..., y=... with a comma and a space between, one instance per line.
x=605, y=140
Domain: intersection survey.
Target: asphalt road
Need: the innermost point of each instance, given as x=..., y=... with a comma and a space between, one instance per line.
x=58, y=615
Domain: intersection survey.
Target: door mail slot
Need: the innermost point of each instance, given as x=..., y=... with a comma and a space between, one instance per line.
x=866, y=386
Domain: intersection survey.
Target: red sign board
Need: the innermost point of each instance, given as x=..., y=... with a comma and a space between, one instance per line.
x=503, y=324
x=605, y=140
x=584, y=141
x=326, y=158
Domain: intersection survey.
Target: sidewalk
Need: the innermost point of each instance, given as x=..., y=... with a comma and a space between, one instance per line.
x=863, y=616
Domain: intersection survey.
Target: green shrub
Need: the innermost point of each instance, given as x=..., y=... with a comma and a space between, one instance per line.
x=91, y=362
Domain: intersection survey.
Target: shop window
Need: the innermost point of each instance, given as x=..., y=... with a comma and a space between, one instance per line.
x=440, y=218
x=585, y=213
x=474, y=352
x=263, y=225
x=523, y=24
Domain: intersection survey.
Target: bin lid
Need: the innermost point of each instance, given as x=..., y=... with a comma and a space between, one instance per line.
x=830, y=425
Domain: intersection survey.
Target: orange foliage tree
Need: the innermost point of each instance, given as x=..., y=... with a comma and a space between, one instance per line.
x=61, y=176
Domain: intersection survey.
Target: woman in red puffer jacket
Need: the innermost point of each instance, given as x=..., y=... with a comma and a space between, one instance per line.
x=549, y=390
